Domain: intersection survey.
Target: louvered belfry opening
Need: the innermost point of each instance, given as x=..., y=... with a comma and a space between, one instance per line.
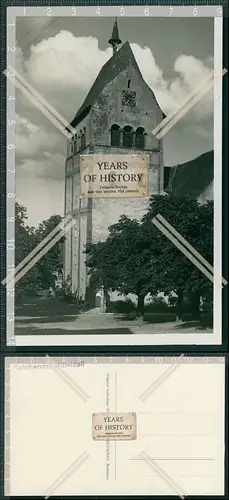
x=127, y=137
x=115, y=135
x=140, y=138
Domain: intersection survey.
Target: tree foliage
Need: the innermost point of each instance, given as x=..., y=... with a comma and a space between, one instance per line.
x=195, y=223
x=40, y=276
x=25, y=242
x=138, y=258
x=52, y=261
x=122, y=262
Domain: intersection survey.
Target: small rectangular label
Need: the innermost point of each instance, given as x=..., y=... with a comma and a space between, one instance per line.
x=114, y=176
x=114, y=426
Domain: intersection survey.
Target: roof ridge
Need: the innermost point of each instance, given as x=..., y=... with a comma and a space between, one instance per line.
x=183, y=182
x=116, y=64
x=120, y=60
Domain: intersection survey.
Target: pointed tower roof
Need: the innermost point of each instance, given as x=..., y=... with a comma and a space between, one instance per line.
x=115, y=40
x=111, y=69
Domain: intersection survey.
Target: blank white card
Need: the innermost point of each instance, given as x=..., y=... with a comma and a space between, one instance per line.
x=178, y=448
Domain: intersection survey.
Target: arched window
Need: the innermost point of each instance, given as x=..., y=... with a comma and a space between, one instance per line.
x=83, y=138
x=140, y=138
x=80, y=138
x=115, y=135
x=72, y=146
x=127, y=137
x=75, y=144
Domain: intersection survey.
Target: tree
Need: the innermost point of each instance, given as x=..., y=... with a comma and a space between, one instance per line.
x=40, y=276
x=52, y=261
x=122, y=262
x=138, y=258
x=25, y=242
x=174, y=270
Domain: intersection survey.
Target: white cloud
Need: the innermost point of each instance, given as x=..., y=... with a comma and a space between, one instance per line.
x=68, y=64
x=65, y=61
x=50, y=166
x=63, y=68
x=191, y=72
x=38, y=149
x=42, y=199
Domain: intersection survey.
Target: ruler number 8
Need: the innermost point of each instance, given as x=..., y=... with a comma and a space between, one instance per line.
x=195, y=11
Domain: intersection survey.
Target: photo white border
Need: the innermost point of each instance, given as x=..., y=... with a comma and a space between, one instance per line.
x=214, y=338
x=167, y=363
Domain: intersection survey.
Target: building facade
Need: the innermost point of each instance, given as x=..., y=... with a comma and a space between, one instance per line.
x=117, y=117
x=194, y=179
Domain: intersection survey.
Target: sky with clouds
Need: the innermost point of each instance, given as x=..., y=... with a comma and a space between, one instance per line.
x=61, y=58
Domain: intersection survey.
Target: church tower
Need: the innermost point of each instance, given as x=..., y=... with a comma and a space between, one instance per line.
x=116, y=117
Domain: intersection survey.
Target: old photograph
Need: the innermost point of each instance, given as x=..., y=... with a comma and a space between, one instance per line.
x=118, y=180
x=163, y=434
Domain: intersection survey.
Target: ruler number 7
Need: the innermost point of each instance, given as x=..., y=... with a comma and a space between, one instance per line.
x=170, y=10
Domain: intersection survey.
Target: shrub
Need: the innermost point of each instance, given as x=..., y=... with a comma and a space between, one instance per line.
x=158, y=304
x=159, y=317
x=121, y=306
